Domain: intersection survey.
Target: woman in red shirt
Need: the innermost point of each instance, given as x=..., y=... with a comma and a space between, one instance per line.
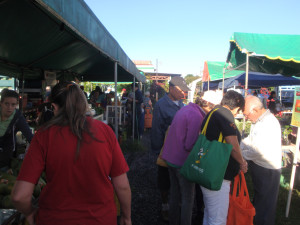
x=83, y=164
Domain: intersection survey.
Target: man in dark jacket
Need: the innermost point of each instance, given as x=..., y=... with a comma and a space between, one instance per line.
x=139, y=114
x=11, y=122
x=163, y=114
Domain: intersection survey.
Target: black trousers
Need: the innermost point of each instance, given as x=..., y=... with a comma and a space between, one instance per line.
x=163, y=178
x=266, y=186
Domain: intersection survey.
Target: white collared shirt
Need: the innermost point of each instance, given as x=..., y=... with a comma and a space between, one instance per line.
x=263, y=145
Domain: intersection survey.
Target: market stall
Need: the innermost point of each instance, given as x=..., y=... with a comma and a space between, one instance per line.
x=62, y=37
x=60, y=40
x=214, y=72
x=268, y=53
x=258, y=80
x=43, y=41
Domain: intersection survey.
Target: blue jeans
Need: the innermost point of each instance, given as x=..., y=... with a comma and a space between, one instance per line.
x=139, y=125
x=181, y=198
x=141, y=122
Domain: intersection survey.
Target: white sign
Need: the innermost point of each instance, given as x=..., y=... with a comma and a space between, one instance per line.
x=50, y=78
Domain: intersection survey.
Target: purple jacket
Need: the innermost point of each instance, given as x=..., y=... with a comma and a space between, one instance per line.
x=183, y=133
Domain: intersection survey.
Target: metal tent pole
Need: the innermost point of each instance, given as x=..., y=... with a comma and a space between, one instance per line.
x=116, y=101
x=15, y=84
x=208, y=84
x=223, y=79
x=246, y=90
x=280, y=95
x=22, y=94
x=295, y=161
x=156, y=93
x=247, y=73
x=133, y=108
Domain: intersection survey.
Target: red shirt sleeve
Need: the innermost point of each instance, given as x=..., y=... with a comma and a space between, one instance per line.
x=34, y=162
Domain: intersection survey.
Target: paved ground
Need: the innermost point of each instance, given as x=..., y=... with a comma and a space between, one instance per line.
x=146, y=202
x=142, y=177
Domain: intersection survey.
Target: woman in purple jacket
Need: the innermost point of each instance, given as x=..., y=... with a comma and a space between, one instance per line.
x=182, y=135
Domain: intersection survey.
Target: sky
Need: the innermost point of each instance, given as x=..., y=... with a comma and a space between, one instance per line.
x=178, y=36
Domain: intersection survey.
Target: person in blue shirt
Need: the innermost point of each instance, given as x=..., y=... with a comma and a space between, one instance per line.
x=163, y=114
x=139, y=115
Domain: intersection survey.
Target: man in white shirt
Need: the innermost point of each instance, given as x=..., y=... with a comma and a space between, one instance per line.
x=262, y=149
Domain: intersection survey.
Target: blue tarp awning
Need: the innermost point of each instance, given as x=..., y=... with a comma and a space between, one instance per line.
x=257, y=80
x=213, y=85
x=64, y=37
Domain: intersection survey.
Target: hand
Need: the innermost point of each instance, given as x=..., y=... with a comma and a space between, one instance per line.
x=30, y=220
x=244, y=166
x=31, y=217
x=125, y=221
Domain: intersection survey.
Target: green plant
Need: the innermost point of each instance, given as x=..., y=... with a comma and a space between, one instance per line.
x=99, y=110
x=132, y=146
x=239, y=125
x=285, y=133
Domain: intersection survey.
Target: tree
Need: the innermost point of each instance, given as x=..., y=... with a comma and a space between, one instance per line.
x=161, y=88
x=190, y=78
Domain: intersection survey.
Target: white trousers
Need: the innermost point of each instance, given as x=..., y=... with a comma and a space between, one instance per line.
x=216, y=204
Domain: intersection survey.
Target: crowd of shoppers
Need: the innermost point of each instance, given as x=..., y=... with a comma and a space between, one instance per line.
x=264, y=160
x=66, y=148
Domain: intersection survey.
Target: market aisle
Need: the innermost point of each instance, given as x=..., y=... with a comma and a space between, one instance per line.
x=142, y=177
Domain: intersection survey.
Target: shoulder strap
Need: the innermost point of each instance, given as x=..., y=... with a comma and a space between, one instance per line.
x=206, y=124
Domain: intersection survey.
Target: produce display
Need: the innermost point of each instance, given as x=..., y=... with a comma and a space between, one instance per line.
x=6, y=185
x=7, y=181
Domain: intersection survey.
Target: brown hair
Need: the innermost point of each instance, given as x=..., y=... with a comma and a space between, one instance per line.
x=72, y=110
x=6, y=93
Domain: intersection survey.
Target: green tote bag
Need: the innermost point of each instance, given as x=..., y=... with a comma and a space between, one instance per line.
x=208, y=160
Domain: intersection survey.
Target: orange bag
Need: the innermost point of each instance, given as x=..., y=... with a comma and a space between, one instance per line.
x=241, y=210
x=148, y=118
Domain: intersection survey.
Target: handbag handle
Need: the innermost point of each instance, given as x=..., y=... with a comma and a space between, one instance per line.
x=240, y=179
x=206, y=124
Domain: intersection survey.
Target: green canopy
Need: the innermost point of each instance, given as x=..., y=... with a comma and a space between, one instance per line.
x=268, y=53
x=60, y=36
x=214, y=71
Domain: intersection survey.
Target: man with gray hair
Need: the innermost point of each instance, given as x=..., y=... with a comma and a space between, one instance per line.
x=262, y=149
x=164, y=111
